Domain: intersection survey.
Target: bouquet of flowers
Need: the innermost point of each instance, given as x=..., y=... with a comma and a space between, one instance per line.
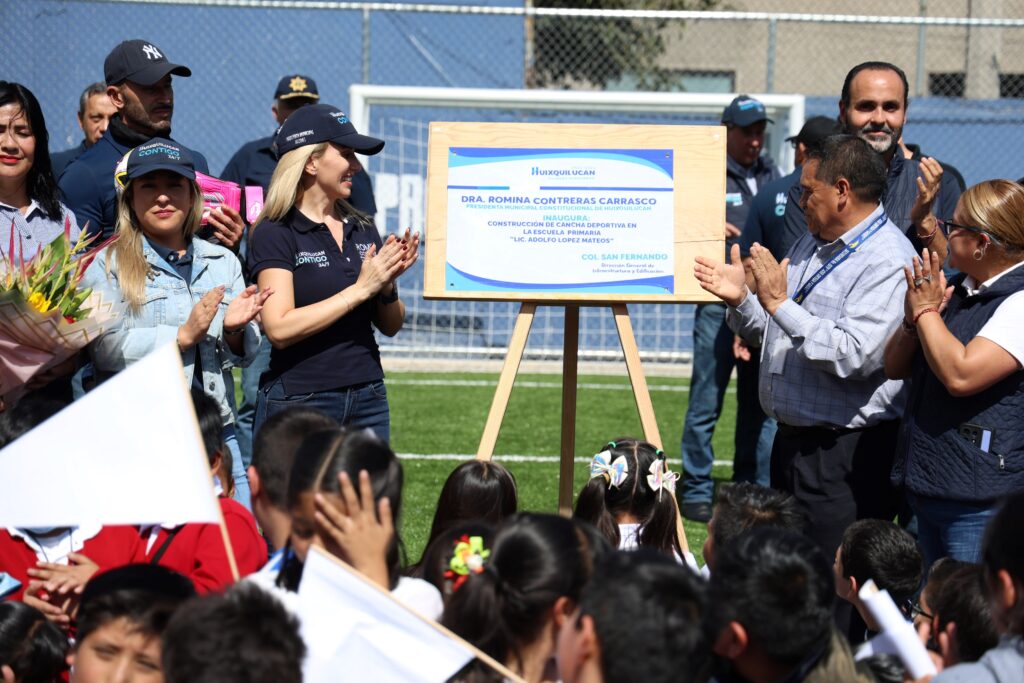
x=45, y=319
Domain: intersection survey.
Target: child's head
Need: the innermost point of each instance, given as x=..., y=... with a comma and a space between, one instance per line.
x=630, y=483
x=211, y=428
x=1003, y=557
x=122, y=615
x=476, y=490
x=962, y=618
x=743, y=506
x=30, y=646
x=770, y=600
x=454, y=554
x=321, y=458
x=883, y=552
x=245, y=634
x=27, y=414
x=938, y=574
x=273, y=452
x=639, y=619
x=531, y=581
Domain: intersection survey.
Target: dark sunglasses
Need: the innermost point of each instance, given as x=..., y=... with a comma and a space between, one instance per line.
x=949, y=226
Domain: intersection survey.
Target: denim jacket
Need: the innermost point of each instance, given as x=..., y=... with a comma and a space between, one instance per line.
x=169, y=301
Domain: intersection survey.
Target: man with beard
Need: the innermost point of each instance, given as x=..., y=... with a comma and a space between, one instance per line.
x=138, y=78
x=873, y=106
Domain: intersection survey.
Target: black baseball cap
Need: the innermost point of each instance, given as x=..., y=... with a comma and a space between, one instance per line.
x=139, y=61
x=815, y=130
x=159, y=154
x=743, y=111
x=322, y=123
x=295, y=86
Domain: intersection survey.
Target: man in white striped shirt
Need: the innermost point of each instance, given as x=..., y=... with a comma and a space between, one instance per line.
x=822, y=317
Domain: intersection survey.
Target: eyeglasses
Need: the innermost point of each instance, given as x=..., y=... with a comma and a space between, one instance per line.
x=916, y=611
x=949, y=226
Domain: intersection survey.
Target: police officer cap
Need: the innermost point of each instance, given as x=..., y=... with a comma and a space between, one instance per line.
x=322, y=123
x=295, y=86
x=139, y=61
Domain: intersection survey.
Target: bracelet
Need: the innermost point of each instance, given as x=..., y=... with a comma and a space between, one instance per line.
x=345, y=299
x=930, y=309
x=927, y=239
x=232, y=333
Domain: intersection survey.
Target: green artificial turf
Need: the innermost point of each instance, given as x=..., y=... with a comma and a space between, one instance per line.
x=443, y=417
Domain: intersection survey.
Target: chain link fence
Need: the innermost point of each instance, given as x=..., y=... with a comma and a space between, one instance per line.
x=964, y=60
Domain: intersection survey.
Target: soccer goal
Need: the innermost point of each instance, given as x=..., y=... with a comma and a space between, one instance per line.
x=470, y=329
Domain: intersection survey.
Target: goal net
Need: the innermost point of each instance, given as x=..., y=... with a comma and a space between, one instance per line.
x=481, y=329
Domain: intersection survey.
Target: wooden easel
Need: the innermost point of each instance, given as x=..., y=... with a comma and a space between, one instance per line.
x=517, y=345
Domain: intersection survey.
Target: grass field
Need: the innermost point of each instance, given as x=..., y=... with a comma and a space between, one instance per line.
x=443, y=414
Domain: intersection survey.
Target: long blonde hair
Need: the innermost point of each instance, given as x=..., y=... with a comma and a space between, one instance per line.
x=132, y=267
x=286, y=186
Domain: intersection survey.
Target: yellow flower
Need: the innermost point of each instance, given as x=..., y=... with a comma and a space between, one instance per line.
x=39, y=302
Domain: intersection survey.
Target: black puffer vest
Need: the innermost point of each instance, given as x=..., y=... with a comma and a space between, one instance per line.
x=938, y=461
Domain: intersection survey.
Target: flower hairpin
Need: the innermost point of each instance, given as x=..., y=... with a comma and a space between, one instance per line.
x=661, y=477
x=614, y=471
x=468, y=558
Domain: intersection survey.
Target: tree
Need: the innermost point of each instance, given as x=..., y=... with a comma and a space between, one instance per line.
x=586, y=51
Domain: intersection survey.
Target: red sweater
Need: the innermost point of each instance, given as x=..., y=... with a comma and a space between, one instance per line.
x=113, y=546
x=197, y=550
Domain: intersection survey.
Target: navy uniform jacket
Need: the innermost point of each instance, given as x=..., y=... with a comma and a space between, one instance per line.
x=738, y=196
x=61, y=160
x=254, y=164
x=87, y=185
x=766, y=222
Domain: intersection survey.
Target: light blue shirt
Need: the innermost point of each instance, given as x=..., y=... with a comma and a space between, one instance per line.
x=33, y=230
x=822, y=362
x=168, y=302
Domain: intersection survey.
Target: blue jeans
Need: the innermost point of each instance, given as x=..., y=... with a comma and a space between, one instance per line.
x=237, y=468
x=713, y=362
x=247, y=411
x=950, y=528
x=363, y=406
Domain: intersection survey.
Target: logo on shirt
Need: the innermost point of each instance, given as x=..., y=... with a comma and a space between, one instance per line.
x=317, y=257
x=780, y=204
x=363, y=248
x=734, y=199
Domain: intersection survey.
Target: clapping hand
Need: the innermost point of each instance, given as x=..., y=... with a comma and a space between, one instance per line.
x=199, y=319
x=727, y=281
x=926, y=286
x=770, y=276
x=245, y=307
x=928, y=184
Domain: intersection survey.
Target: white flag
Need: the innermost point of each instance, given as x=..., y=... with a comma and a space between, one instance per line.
x=355, y=631
x=129, y=452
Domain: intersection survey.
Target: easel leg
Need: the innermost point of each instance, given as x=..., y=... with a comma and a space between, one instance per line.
x=499, y=405
x=569, y=366
x=636, y=375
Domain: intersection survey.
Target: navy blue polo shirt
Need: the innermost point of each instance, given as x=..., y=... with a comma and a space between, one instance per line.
x=346, y=353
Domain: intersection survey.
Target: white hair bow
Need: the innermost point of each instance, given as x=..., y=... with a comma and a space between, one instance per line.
x=661, y=477
x=603, y=466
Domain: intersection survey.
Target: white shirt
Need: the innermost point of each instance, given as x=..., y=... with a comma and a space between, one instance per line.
x=629, y=539
x=1006, y=326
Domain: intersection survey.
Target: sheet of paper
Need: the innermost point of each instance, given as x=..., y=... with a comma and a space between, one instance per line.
x=352, y=628
x=898, y=631
x=129, y=452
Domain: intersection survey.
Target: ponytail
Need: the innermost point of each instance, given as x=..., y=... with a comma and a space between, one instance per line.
x=592, y=507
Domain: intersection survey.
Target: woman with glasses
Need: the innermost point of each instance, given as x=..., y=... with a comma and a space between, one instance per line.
x=962, y=348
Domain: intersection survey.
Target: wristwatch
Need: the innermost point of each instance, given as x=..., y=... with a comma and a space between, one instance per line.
x=389, y=298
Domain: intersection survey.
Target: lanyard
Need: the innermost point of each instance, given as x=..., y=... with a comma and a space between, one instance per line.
x=833, y=262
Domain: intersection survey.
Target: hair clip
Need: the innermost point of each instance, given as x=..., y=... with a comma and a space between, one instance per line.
x=467, y=559
x=615, y=472
x=661, y=477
